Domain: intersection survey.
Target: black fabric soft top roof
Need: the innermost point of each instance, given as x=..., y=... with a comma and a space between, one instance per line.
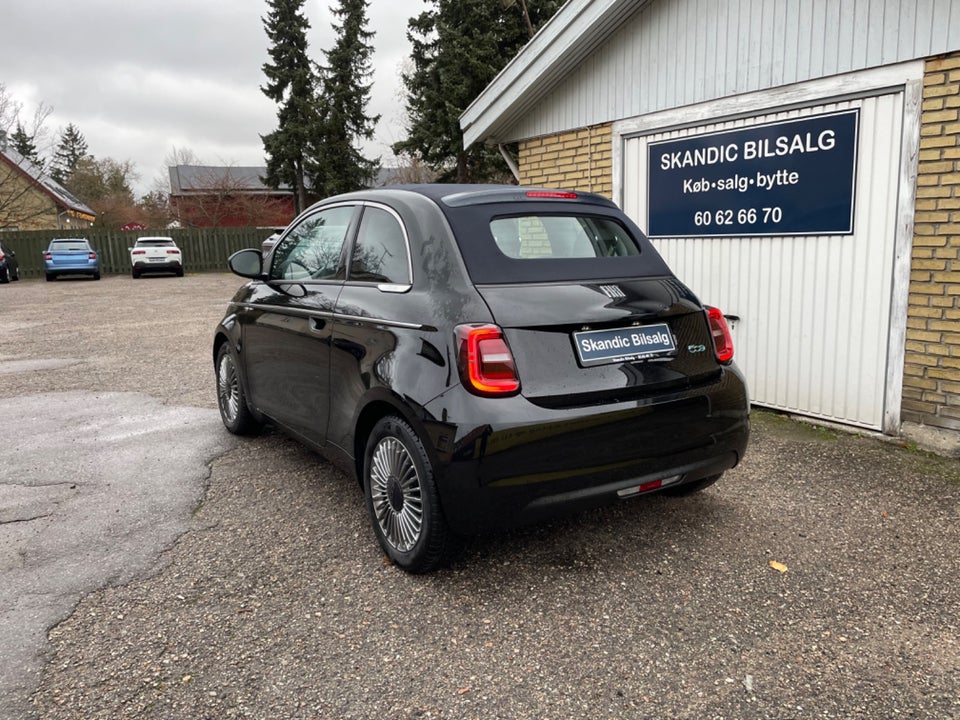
x=453, y=195
x=487, y=265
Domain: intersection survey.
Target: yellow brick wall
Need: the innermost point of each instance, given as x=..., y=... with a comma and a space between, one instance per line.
x=575, y=160
x=931, y=382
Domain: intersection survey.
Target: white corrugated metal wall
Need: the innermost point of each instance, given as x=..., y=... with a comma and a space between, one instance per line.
x=680, y=52
x=815, y=312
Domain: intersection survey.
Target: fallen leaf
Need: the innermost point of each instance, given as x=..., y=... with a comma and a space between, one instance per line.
x=463, y=691
x=779, y=567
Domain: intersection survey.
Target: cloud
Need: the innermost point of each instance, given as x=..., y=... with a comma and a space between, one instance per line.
x=139, y=78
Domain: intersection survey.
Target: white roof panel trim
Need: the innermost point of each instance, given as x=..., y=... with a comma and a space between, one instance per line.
x=570, y=36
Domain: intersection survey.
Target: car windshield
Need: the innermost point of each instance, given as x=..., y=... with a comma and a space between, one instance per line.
x=61, y=245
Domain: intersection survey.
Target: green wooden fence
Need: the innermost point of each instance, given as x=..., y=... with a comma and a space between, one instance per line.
x=203, y=248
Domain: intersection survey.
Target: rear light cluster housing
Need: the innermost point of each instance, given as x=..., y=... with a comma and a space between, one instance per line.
x=486, y=365
x=720, y=331
x=48, y=256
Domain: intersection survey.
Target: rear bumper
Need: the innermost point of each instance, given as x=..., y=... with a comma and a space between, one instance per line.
x=72, y=269
x=504, y=475
x=146, y=267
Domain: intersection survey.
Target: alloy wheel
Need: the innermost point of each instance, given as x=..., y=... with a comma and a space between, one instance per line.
x=228, y=388
x=396, y=494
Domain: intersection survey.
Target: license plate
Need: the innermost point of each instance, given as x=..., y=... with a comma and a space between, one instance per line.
x=597, y=347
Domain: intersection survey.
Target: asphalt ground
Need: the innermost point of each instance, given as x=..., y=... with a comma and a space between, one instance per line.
x=275, y=602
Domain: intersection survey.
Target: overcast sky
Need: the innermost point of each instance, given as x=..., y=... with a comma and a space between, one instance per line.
x=138, y=78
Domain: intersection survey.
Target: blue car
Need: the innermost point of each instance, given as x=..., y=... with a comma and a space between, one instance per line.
x=71, y=256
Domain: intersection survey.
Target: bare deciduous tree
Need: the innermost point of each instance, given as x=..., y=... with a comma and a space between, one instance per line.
x=221, y=196
x=20, y=204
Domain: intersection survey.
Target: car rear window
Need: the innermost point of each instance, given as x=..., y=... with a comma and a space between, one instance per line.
x=68, y=245
x=536, y=237
x=155, y=243
x=547, y=242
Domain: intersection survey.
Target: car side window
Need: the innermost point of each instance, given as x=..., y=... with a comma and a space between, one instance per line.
x=380, y=253
x=312, y=248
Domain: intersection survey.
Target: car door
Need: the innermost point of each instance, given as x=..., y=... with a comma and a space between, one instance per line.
x=373, y=316
x=287, y=325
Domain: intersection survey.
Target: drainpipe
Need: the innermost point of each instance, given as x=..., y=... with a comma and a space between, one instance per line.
x=511, y=163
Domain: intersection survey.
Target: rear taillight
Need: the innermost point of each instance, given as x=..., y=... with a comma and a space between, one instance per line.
x=1, y=256
x=173, y=252
x=139, y=252
x=93, y=256
x=485, y=361
x=722, y=340
x=47, y=256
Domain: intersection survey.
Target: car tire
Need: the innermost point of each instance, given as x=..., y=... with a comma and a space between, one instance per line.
x=135, y=274
x=49, y=277
x=180, y=272
x=402, y=499
x=16, y=275
x=5, y=276
x=96, y=276
x=231, y=399
x=692, y=487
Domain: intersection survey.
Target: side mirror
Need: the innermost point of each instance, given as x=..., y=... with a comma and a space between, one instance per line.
x=248, y=264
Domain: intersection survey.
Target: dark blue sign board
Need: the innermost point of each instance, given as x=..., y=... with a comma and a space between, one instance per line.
x=794, y=177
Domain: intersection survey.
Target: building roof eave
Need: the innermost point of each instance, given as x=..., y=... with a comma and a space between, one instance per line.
x=46, y=184
x=577, y=29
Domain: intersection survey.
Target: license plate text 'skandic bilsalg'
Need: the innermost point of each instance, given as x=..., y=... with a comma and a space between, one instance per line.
x=595, y=347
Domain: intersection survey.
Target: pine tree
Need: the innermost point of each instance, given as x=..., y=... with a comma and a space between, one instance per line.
x=71, y=149
x=24, y=144
x=459, y=46
x=336, y=163
x=291, y=83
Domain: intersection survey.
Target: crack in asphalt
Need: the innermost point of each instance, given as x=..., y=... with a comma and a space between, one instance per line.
x=137, y=500
x=33, y=486
x=25, y=520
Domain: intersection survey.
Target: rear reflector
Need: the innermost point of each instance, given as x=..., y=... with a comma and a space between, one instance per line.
x=549, y=194
x=722, y=340
x=647, y=486
x=485, y=361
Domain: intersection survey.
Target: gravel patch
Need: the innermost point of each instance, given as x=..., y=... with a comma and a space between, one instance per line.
x=818, y=579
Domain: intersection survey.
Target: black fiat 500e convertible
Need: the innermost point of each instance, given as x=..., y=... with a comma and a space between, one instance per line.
x=480, y=357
